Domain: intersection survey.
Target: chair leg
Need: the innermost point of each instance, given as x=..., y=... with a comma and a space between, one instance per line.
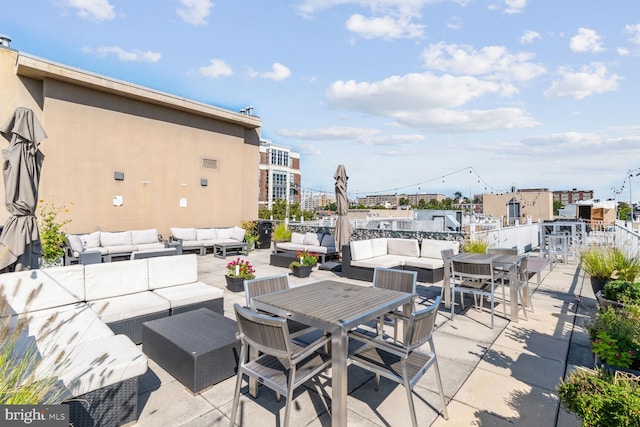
x=377, y=382
x=236, y=399
x=287, y=408
x=504, y=300
x=412, y=409
x=445, y=413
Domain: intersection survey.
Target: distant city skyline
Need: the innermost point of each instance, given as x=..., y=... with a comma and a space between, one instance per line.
x=412, y=96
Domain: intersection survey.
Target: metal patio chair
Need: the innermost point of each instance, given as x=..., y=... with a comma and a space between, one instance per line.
x=283, y=365
x=406, y=363
x=476, y=277
x=396, y=280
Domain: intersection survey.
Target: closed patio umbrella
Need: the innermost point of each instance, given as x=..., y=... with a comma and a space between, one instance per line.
x=20, y=247
x=343, y=227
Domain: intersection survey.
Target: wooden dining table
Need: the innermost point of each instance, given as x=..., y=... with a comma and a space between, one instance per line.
x=508, y=263
x=336, y=308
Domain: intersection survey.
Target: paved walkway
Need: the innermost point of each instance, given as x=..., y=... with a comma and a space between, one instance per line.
x=492, y=377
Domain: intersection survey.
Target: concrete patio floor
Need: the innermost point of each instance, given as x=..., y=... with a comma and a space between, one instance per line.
x=491, y=377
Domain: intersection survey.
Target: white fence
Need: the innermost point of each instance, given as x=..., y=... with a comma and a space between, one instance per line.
x=524, y=237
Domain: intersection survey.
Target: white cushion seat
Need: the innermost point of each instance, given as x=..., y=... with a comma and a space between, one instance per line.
x=119, y=249
x=191, y=293
x=386, y=261
x=129, y=306
x=430, y=263
x=149, y=246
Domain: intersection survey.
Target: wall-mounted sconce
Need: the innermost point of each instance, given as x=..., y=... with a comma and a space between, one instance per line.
x=145, y=182
x=204, y=182
x=118, y=176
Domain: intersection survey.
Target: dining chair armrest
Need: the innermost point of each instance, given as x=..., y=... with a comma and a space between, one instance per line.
x=379, y=343
x=311, y=348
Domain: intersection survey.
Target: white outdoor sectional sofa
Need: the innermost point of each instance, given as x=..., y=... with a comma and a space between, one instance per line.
x=361, y=257
x=98, y=311
x=321, y=244
x=111, y=244
x=201, y=239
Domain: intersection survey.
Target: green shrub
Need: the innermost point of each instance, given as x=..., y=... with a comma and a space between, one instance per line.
x=614, y=332
x=281, y=232
x=475, y=246
x=622, y=291
x=52, y=237
x=607, y=262
x=601, y=400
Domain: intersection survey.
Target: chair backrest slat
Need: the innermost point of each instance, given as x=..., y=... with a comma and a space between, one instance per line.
x=502, y=251
x=420, y=326
x=394, y=279
x=264, y=285
x=479, y=270
x=268, y=334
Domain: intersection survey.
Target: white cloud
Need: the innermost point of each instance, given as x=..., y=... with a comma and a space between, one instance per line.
x=194, y=12
x=515, y=6
x=589, y=80
x=529, y=36
x=494, y=62
x=96, y=9
x=623, y=51
x=427, y=101
x=634, y=33
x=586, y=40
x=330, y=133
x=384, y=27
x=216, y=68
x=308, y=8
x=278, y=72
x=126, y=55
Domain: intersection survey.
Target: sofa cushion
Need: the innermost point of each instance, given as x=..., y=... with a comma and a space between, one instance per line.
x=129, y=306
x=224, y=233
x=75, y=242
x=139, y=237
x=431, y=248
x=149, y=246
x=115, y=239
x=328, y=241
x=19, y=286
x=172, y=271
x=361, y=249
x=312, y=239
x=191, y=293
x=184, y=233
x=70, y=277
x=96, y=364
x=386, y=261
x=113, y=279
x=237, y=233
x=297, y=238
x=206, y=234
x=120, y=249
x=404, y=247
x=379, y=246
x=428, y=263
x=91, y=240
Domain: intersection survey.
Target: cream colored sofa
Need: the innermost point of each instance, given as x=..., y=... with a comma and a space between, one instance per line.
x=111, y=244
x=93, y=315
x=201, y=239
x=361, y=257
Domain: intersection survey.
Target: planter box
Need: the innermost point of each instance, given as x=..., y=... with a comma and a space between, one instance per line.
x=235, y=284
x=302, y=270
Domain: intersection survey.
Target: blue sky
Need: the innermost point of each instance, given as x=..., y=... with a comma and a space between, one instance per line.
x=433, y=96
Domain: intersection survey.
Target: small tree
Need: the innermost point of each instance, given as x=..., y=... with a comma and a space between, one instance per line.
x=52, y=237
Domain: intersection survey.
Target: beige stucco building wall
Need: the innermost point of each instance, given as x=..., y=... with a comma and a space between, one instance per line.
x=165, y=145
x=537, y=204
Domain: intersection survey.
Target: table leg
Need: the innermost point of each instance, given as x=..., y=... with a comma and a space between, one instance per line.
x=513, y=291
x=339, y=348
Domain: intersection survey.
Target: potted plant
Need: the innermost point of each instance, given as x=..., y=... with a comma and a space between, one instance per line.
x=601, y=398
x=603, y=263
x=303, y=264
x=52, y=238
x=251, y=233
x=619, y=293
x=615, y=338
x=475, y=246
x=281, y=233
x=238, y=271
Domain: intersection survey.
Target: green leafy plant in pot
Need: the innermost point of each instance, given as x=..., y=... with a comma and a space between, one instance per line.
x=303, y=264
x=601, y=398
x=619, y=293
x=251, y=233
x=615, y=337
x=603, y=263
x=52, y=237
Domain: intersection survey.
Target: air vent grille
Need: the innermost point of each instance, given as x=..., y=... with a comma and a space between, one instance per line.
x=210, y=163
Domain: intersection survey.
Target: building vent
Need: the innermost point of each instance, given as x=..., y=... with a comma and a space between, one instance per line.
x=210, y=163
x=5, y=41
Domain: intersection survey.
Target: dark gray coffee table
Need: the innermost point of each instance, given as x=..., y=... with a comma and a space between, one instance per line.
x=199, y=348
x=282, y=259
x=220, y=249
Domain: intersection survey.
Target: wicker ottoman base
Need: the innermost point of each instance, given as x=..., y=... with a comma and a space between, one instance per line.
x=199, y=348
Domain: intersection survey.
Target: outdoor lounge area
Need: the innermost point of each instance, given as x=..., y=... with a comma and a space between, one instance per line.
x=472, y=358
